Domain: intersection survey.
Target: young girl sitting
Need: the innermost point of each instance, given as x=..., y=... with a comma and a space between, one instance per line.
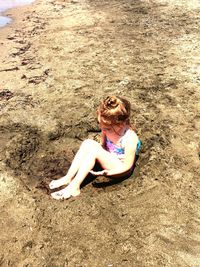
x=116, y=153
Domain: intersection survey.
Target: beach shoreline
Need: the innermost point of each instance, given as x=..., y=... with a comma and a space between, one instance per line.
x=14, y=13
x=17, y=15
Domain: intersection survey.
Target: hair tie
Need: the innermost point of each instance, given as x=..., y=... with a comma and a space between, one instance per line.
x=111, y=102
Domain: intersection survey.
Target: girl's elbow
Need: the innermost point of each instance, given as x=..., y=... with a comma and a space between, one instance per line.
x=128, y=165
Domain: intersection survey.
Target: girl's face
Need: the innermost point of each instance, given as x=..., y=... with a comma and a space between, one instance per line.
x=111, y=129
x=104, y=127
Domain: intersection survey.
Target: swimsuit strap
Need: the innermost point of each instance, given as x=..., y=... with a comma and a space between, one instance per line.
x=139, y=144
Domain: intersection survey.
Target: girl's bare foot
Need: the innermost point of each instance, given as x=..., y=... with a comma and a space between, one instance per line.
x=60, y=182
x=65, y=193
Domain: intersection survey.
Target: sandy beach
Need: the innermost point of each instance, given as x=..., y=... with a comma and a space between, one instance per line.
x=58, y=60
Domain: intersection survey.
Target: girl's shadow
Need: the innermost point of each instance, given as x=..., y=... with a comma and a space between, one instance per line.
x=111, y=180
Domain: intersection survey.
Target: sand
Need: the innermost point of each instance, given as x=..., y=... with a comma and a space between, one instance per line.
x=58, y=60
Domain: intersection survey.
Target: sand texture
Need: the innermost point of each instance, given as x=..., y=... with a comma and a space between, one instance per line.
x=58, y=60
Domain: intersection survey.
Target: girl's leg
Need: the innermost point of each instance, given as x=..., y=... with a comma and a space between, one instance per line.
x=94, y=152
x=77, y=161
x=73, y=189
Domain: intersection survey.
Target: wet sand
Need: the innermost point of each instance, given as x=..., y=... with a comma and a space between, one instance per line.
x=58, y=60
x=9, y=4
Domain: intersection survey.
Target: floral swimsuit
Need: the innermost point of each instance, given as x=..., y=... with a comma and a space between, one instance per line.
x=119, y=150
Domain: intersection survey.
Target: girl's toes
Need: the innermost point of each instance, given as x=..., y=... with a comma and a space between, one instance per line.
x=60, y=195
x=51, y=185
x=57, y=195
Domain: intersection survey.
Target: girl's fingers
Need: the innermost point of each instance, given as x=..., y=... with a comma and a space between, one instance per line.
x=94, y=173
x=97, y=173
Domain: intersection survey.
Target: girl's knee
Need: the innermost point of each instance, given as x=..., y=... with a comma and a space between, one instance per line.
x=89, y=144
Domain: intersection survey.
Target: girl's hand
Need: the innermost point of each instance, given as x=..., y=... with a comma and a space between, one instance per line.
x=103, y=172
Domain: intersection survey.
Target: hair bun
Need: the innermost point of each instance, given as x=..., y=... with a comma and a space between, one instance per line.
x=111, y=102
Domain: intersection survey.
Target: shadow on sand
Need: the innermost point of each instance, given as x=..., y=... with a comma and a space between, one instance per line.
x=111, y=180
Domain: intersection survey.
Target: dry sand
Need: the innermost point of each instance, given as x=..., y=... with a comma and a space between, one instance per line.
x=58, y=59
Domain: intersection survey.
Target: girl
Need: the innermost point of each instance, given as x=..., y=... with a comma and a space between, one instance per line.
x=116, y=152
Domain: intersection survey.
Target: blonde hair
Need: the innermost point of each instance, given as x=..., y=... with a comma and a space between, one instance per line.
x=114, y=110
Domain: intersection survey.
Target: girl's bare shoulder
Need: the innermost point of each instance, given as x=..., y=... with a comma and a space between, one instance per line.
x=131, y=136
